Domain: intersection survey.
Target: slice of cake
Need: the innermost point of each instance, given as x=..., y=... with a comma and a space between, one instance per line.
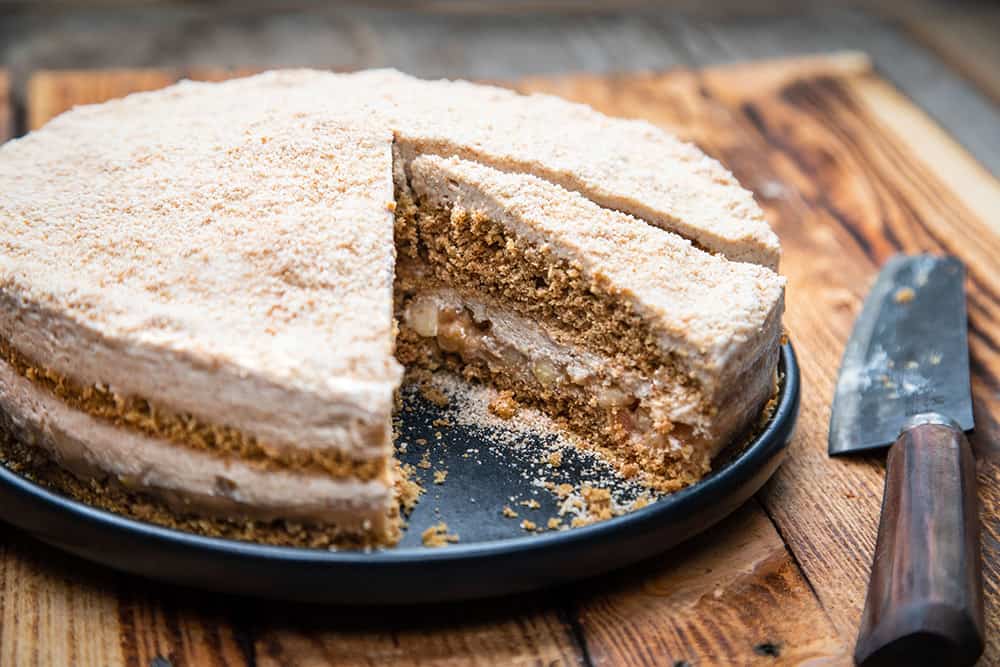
x=200, y=292
x=659, y=351
x=202, y=311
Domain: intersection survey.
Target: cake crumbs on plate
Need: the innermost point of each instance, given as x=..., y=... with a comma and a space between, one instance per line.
x=508, y=512
x=904, y=295
x=554, y=523
x=440, y=421
x=531, y=503
x=434, y=395
x=440, y=476
x=555, y=458
x=425, y=461
x=408, y=490
x=438, y=536
x=504, y=405
x=528, y=525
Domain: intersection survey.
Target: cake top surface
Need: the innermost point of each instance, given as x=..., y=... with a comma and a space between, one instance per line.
x=627, y=165
x=701, y=302
x=229, y=235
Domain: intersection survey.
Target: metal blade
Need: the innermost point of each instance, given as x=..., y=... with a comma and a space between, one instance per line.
x=908, y=353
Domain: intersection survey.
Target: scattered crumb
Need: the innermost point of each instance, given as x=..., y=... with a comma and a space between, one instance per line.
x=408, y=490
x=904, y=295
x=434, y=395
x=640, y=502
x=563, y=490
x=503, y=405
x=531, y=503
x=528, y=525
x=438, y=435
x=422, y=442
x=508, y=512
x=554, y=523
x=935, y=359
x=440, y=476
x=441, y=422
x=598, y=502
x=912, y=364
x=438, y=536
x=425, y=461
x=555, y=458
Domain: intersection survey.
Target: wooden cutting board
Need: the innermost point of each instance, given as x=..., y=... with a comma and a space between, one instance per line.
x=849, y=172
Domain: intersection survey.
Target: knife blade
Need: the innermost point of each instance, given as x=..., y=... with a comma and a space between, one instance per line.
x=908, y=354
x=904, y=382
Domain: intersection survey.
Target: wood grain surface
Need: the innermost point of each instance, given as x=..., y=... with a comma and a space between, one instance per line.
x=849, y=172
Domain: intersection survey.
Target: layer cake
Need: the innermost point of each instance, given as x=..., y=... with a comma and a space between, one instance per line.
x=206, y=292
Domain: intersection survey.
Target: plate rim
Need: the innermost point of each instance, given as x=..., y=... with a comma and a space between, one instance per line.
x=760, y=447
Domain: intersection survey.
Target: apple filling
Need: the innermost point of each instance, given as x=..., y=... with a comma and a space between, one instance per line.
x=546, y=370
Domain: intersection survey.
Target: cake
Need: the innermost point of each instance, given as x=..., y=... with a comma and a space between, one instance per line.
x=208, y=293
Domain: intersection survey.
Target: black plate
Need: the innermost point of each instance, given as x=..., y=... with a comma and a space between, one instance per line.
x=494, y=557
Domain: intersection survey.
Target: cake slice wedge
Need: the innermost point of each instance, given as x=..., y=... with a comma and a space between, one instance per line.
x=660, y=352
x=197, y=307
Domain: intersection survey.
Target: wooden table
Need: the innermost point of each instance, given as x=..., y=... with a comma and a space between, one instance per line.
x=849, y=172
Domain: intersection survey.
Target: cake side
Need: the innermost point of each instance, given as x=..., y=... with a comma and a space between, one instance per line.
x=151, y=479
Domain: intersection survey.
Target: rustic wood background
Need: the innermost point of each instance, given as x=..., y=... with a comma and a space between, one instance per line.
x=849, y=171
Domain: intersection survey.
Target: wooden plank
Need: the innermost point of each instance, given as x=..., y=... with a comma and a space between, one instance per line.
x=965, y=40
x=6, y=109
x=733, y=596
x=49, y=93
x=517, y=631
x=57, y=610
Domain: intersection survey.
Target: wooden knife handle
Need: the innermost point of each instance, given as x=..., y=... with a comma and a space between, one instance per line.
x=925, y=597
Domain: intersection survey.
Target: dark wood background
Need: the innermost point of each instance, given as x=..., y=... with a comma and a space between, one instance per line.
x=853, y=157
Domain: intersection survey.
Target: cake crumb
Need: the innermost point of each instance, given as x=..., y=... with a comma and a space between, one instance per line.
x=598, y=502
x=555, y=458
x=563, y=490
x=441, y=422
x=425, y=461
x=528, y=525
x=508, y=512
x=640, y=502
x=434, y=395
x=531, y=503
x=554, y=523
x=904, y=295
x=440, y=476
x=438, y=536
x=422, y=442
x=407, y=490
x=503, y=405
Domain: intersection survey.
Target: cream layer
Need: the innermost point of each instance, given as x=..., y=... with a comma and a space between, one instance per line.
x=475, y=328
x=189, y=481
x=351, y=415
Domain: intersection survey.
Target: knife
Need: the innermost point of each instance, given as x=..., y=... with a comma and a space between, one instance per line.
x=904, y=384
